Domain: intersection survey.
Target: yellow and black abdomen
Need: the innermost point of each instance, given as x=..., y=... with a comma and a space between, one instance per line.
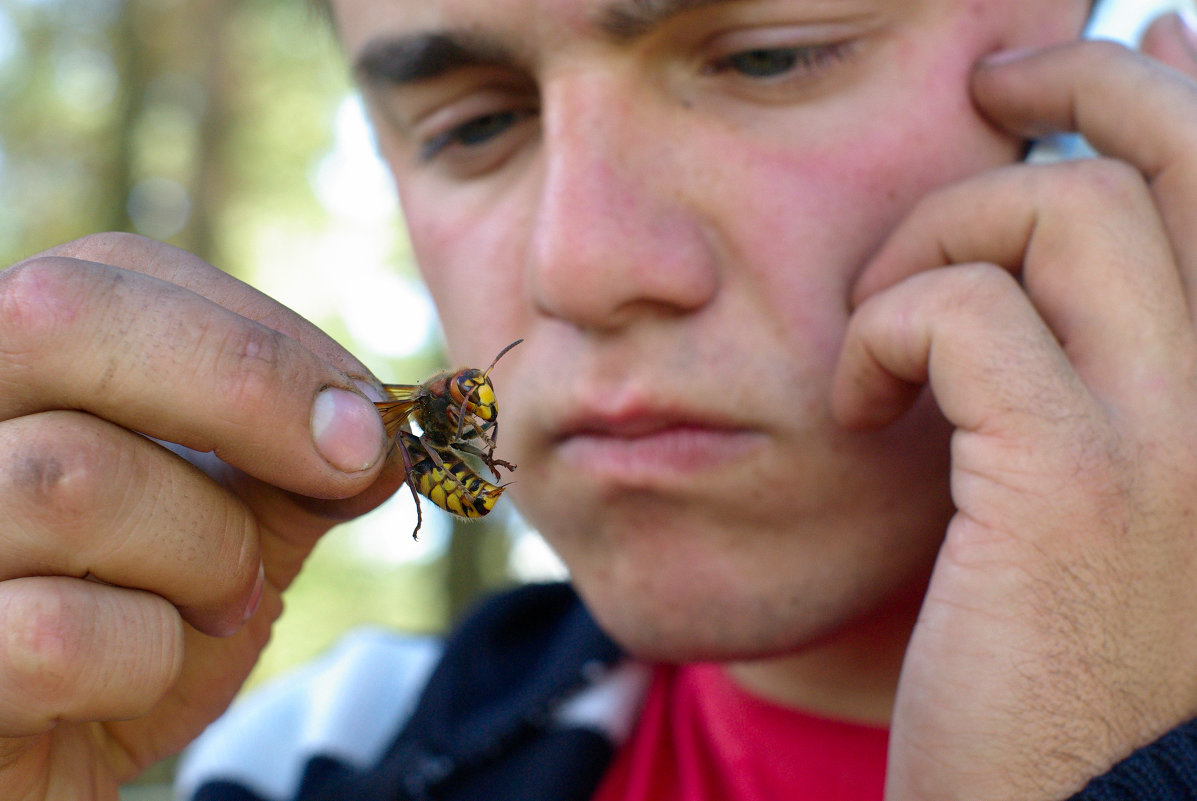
x=452, y=484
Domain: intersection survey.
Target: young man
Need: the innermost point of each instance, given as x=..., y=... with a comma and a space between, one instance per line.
x=827, y=401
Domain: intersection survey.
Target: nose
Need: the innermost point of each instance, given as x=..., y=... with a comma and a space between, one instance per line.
x=614, y=236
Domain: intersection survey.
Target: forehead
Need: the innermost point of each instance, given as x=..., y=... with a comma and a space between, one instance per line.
x=361, y=19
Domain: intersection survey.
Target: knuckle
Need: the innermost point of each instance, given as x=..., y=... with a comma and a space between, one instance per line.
x=979, y=288
x=250, y=365
x=39, y=299
x=1099, y=51
x=39, y=634
x=56, y=475
x=1104, y=181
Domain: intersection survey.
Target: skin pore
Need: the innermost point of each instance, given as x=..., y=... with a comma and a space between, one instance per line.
x=670, y=202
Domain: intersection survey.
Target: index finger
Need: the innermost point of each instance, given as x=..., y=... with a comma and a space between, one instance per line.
x=160, y=359
x=186, y=270
x=1128, y=106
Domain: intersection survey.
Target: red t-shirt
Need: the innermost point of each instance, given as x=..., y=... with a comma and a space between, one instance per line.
x=701, y=737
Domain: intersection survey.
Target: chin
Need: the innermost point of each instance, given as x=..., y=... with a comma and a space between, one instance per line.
x=682, y=593
x=744, y=568
x=711, y=632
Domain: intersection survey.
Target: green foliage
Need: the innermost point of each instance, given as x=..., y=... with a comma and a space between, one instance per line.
x=186, y=121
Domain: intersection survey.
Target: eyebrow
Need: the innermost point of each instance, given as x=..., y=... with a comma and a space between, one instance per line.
x=422, y=56
x=627, y=20
x=408, y=58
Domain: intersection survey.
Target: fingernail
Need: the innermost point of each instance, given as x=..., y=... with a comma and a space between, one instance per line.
x=346, y=429
x=255, y=597
x=371, y=391
x=1000, y=57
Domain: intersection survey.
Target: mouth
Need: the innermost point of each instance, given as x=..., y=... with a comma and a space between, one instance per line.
x=646, y=447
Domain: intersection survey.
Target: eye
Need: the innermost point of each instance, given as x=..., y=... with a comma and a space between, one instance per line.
x=775, y=62
x=763, y=63
x=474, y=133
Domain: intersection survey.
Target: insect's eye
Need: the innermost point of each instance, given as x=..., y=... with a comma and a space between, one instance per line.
x=463, y=388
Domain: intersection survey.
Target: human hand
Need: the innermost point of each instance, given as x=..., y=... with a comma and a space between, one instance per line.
x=129, y=577
x=1057, y=633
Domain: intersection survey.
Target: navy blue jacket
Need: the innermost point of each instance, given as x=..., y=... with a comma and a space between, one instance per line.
x=527, y=700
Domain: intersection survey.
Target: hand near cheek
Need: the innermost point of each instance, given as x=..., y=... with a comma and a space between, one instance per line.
x=1057, y=634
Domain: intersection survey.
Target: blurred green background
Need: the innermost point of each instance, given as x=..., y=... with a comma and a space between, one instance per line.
x=231, y=129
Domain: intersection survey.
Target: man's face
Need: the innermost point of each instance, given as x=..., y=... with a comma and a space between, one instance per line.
x=669, y=201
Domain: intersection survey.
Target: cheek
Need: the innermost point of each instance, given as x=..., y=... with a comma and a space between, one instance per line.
x=825, y=198
x=470, y=259
x=800, y=210
x=434, y=230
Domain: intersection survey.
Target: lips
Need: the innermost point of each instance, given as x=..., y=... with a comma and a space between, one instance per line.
x=646, y=446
